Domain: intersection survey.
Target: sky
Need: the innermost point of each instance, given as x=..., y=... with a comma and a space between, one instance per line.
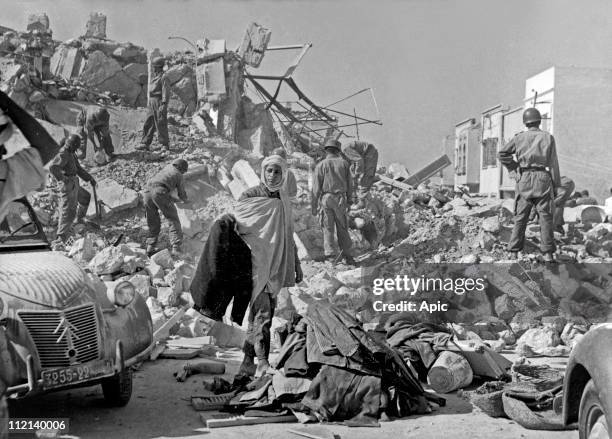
x=431, y=63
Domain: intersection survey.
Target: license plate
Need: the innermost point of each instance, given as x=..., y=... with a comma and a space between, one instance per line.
x=66, y=376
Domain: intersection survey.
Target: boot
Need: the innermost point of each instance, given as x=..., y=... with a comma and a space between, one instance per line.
x=80, y=213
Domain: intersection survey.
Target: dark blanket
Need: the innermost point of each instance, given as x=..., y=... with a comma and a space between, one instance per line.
x=224, y=273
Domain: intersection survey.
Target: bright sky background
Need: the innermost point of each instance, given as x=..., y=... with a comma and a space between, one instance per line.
x=431, y=63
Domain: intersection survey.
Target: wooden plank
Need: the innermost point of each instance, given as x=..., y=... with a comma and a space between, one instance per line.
x=235, y=421
x=164, y=330
x=191, y=343
x=395, y=183
x=157, y=350
x=180, y=354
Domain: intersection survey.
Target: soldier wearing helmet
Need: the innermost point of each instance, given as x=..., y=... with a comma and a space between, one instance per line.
x=536, y=168
x=157, y=197
x=157, y=115
x=92, y=123
x=74, y=200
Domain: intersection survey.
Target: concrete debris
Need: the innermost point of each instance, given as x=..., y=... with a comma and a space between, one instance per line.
x=163, y=259
x=254, y=44
x=540, y=339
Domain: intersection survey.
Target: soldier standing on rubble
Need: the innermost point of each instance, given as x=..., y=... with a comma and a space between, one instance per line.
x=332, y=194
x=96, y=121
x=363, y=157
x=157, y=197
x=538, y=176
x=157, y=115
x=74, y=200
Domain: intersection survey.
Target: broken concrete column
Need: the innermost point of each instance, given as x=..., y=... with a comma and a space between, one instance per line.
x=254, y=44
x=39, y=22
x=96, y=25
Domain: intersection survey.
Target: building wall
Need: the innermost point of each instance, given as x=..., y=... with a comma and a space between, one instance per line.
x=448, y=148
x=490, y=144
x=512, y=124
x=467, y=154
x=583, y=127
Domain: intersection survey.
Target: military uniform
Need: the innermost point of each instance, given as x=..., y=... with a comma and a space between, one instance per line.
x=332, y=190
x=157, y=197
x=364, y=160
x=96, y=121
x=74, y=200
x=157, y=115
x=538, y=176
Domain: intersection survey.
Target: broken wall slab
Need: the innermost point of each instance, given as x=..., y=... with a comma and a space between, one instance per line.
x=96, y=25
x=254, y=44
x=114, y=196
x=66, y=62
x=210, y=80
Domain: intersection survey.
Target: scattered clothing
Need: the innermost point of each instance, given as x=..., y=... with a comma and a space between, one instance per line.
x=224, y=273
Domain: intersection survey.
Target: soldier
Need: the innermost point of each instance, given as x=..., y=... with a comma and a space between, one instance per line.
x=157, y=197
x=96, y=121
x=157, y=115
x=538, y=175
x=332, y=194
x=74, y=200
x=363, y=157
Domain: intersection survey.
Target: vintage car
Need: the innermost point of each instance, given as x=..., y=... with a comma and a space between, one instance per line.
x=67, y=328
x=587, y=387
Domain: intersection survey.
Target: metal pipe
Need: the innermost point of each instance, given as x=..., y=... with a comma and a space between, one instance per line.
x=287, y=47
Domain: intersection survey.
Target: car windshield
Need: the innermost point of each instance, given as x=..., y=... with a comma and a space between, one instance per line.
x=19, y=224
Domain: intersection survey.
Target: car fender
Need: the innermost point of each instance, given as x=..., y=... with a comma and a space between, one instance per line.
x=591, y=358
x=131, y=324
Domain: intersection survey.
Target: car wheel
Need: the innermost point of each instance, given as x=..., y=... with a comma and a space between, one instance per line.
x=118, y=389
x=591, y=416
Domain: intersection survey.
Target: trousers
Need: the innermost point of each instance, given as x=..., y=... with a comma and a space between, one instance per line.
x=74, y=201
x=156, y=120
x=534, y=190
x=155, y=200
x=257, y=343
x=334, y=219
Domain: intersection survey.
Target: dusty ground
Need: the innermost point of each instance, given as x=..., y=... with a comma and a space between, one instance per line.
x=160, y=408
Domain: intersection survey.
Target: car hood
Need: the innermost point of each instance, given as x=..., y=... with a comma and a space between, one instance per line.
x=43, y=278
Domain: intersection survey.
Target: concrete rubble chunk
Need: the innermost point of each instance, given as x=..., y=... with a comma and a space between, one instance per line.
x=491, y=225
x=114, y=196
x=398, y=171
x=254, y=44
x=99, y=68
x=357, y=277
x=141, y=283
x=110, y=259
x=82, y=250
x=154, y=270
x=323, y=285
x=39, y=22
x=540, y=339
x=96, y=25
x=190, y=222
x=167, y=296
x=163, y=258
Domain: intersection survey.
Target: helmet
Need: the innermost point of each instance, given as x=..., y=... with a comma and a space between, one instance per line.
x=181, y=165
x=332, y=143
x=73, y=141
x=158, y=62
x=531, y=115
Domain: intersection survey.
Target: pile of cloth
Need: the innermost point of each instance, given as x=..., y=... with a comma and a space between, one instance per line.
x=418, y=343
x=329, y=369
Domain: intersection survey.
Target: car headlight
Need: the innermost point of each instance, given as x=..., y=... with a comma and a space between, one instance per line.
x=124, y=293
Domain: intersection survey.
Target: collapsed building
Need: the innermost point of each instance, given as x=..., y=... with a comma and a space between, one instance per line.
x=406, y=223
